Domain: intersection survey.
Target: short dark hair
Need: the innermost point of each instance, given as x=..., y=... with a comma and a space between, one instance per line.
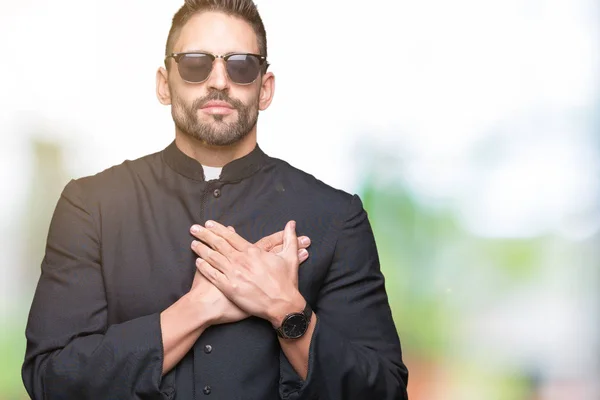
x=244, y=9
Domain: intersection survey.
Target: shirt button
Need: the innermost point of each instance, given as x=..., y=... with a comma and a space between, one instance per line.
x=207, y=348
x=206, y=390
x=217, y=193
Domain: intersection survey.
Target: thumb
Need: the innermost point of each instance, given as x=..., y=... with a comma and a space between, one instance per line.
x=290, y=241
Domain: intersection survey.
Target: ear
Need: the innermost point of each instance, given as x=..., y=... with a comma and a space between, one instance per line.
x=162, y=86
x=267, y=90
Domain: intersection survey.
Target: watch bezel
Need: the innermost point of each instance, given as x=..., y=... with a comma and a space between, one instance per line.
x=287, y=320
x=306, y=315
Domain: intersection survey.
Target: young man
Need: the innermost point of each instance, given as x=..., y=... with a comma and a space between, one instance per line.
x=114, y=316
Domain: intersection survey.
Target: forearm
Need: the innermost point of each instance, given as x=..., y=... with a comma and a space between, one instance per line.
x=297, y=350
x=347, y=370
x=123, y=362
x=355, y=350
x=181, y=325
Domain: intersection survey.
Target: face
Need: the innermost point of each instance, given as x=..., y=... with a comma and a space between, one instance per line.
x=217, y=111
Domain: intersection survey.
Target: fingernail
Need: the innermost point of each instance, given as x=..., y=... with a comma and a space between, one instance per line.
x=194, y=243
x=303, y=253
x=196, y=228
x=305, y=241
x=209, y=224
x=293, y=224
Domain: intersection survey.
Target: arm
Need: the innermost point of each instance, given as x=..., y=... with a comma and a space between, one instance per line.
x=183, y=323
x=205, y=305
x=71, y=352
x=297, y=351
x=355, y=351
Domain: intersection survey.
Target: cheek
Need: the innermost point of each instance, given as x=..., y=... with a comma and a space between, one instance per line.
x=185, y=99
x=243, y=99
x=253, y=99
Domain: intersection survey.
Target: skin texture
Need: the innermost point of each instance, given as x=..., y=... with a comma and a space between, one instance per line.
x=234, y=278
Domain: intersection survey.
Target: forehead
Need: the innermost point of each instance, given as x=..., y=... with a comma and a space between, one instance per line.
x=217, y=33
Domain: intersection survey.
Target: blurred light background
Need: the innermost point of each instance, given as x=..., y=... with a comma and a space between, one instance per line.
x=470, y=129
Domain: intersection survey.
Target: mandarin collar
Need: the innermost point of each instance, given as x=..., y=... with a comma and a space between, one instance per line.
x=236, y=170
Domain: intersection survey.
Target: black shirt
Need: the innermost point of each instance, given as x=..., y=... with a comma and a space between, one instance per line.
x=118, y=253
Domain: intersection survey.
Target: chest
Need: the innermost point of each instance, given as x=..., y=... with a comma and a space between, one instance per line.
x=147, y=260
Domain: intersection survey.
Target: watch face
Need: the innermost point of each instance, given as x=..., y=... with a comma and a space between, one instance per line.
x=295, y=326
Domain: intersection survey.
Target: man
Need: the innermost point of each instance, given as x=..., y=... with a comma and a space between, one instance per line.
x=151, y=287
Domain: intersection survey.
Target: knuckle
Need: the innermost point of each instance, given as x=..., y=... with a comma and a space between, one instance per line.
x=211, y=254
x=264, y=243
x=237, y=259
x=253, y=251
x=219, y=242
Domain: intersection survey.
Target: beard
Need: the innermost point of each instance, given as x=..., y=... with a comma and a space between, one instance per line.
x=215, y=132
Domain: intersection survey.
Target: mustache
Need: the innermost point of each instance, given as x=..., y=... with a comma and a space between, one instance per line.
x=217, y=96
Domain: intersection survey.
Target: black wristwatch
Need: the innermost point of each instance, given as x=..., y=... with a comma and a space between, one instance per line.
x=295, y=325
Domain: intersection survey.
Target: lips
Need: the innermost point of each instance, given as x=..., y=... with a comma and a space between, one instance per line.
x=217, y=104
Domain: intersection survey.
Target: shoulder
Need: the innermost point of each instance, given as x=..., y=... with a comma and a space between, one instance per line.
x=311, y=190
x=116, y=181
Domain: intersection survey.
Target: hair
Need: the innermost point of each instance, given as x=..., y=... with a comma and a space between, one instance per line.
x=244, y=9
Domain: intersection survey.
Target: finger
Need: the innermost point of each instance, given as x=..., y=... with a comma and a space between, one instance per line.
x=213, y=257
x=302, y=255
x=213, y=240
x=231, y=228
x=274, y=242
x=303, y=242
x=290, y=241
x=212, y=274
x=235, y=240
x=270, y=242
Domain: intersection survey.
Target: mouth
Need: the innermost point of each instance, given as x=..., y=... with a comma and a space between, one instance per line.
x=217, y=107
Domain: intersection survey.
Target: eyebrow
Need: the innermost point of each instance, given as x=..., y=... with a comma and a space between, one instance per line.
x=210, y=52
x=195, y=51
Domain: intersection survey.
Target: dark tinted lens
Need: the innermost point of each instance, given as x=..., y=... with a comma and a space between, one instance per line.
x=243, y=68
x=195, y=67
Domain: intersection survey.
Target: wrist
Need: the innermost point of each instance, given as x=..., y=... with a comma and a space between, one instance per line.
x=198, y=312
x=293, y=305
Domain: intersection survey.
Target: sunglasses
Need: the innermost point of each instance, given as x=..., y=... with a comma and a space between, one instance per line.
x=242, y=68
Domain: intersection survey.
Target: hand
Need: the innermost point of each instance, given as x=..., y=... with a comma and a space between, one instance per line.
x=219, y=308
x=225, y=311
x=261, y=283
x=274, y=244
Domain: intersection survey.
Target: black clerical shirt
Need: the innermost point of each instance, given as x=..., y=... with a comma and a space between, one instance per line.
x=118, y=253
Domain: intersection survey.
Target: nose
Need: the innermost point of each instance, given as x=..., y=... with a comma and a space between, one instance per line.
x=218, y=78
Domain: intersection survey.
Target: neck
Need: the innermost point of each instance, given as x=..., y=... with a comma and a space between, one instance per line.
x=215, y=156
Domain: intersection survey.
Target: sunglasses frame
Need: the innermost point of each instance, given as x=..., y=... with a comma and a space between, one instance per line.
x=262, y=63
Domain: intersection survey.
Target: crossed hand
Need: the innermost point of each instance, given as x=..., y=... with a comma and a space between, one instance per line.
x=236, y=278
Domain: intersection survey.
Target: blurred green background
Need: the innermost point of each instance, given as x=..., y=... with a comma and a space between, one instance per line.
x=470, y=129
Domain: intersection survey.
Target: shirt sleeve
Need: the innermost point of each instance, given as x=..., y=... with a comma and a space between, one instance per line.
x=355, y=351
x=71, y=352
